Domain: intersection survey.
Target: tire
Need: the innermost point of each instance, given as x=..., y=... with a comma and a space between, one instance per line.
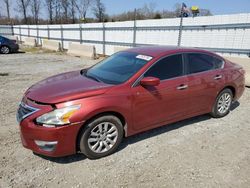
x=101, y=137
x=222, y=104
x=5, y=50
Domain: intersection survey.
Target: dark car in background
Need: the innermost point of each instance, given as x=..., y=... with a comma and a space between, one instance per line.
x=8, y=45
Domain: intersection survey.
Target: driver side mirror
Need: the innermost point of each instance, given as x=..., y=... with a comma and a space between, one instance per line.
x=150, y=81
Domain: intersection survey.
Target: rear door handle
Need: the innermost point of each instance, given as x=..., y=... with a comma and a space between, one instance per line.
x=217, y=77
x=182, y=87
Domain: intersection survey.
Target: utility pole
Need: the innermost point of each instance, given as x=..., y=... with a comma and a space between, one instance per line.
x=134, y=32
x=181, y=24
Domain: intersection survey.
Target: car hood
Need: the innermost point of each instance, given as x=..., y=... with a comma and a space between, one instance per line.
x=65, y=87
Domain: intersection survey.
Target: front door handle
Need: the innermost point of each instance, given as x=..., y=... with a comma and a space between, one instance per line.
x=217, y=77
x=182, y=87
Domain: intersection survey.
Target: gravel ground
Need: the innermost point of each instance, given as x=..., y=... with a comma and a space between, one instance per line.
x=198, y=152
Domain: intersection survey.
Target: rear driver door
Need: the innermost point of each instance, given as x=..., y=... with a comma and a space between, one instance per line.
x=205, y=80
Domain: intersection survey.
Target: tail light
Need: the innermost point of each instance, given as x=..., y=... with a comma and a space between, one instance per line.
x=14, y=41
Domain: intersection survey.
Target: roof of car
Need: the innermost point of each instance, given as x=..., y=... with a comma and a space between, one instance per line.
x=155, y=51
x=3, y=37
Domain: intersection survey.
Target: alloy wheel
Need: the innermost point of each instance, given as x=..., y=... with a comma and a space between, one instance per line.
x=224, y=103
x=5, y=50
x=103, y=137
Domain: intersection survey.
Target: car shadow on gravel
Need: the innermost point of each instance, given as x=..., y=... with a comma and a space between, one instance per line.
x=158, y=131
x=138, y=137
x=19, y=52
x=64, y=160
x=167, y=128
x=234, y=105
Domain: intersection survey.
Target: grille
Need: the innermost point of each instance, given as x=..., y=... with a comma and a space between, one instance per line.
x=24, y=111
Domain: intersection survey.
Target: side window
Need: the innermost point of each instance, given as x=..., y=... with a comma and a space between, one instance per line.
x=199, y=63
x=168, y=67
x=217, y=63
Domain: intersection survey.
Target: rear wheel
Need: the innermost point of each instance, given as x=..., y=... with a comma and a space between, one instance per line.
x=223, y=103
x=101, y=137
x=5, y=50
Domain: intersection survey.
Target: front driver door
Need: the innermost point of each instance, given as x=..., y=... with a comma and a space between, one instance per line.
x=154, y=106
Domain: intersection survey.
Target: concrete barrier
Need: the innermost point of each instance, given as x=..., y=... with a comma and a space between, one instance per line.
x=245, y=63
x=30, y=41
x=119, y=48
x=51, y=44
x=18, y=38
x=82, y=50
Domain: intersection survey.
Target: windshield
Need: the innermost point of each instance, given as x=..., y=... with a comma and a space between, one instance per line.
x=117, y=68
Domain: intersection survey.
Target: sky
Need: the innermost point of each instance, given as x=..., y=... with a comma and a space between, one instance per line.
x=215, y=6
x=119, y=6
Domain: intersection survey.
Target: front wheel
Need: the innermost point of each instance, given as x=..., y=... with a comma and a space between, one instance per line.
x=101, y=137
x=223, y=103
x=5, y=50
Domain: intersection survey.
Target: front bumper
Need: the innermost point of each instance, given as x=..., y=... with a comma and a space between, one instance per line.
x=14, y=47
x=64, y=138
x=48, y=141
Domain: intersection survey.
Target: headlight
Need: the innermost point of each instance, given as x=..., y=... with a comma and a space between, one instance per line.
x=58, y=117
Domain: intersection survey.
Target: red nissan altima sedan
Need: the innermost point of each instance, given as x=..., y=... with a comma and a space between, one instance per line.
x=91, y=110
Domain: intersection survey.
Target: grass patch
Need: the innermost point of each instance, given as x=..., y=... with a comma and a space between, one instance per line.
x=37, y=50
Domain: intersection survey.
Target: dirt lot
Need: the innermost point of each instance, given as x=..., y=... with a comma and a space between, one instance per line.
x=199, y=152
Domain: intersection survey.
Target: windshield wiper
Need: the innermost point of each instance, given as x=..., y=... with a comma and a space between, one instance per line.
x=92, y=77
